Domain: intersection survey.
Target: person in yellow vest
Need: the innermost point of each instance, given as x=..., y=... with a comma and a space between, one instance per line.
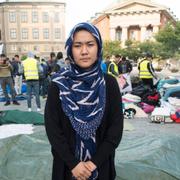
x=113, y=67
x=31, y=73
x=146, y=70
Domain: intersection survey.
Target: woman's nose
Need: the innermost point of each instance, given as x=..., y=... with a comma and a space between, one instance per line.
x=84, y=49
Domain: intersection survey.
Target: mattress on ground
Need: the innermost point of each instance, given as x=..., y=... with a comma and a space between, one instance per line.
x=153, y=157
x=21, y=117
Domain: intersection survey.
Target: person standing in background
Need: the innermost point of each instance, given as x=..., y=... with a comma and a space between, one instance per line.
x=6, y=80
x=31, y=74
x=113, y=66
x=51, y=63
x=124, y=66
x=83, y=113
x=17, y=74
x=146, y=70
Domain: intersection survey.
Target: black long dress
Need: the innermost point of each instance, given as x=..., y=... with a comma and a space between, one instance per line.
x=62, y=136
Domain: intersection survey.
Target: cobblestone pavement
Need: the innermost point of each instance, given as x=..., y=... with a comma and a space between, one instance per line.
x=23, y=105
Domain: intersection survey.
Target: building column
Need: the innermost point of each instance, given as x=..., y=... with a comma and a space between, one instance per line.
x=155, y=29
x=124, y=35
x=143, y=33
x=113, y=34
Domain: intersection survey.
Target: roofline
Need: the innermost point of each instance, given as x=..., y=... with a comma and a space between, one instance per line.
x=30, y=3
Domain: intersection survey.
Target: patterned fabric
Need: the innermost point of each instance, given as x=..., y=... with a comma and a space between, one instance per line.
x=82, y=95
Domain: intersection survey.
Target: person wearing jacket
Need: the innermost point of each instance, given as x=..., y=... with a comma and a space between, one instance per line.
x=146, y=70
x=124, y=66
x=31, y=73
x=113, y=66
x=6, y=80
x=83, y=113
x=17, y=73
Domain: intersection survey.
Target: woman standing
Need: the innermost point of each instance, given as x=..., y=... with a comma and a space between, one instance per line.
x=83, y=114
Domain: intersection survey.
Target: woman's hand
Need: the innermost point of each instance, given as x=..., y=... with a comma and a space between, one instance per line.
x=81, y=172
x=90, y=166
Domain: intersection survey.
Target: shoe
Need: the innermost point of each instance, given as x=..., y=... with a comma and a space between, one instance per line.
x=7, y=103
x=29, y=109
x=16, y=103
x=38, y=109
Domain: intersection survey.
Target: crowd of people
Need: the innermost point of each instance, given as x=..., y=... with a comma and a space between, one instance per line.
x=34, y=72
x=37, y=75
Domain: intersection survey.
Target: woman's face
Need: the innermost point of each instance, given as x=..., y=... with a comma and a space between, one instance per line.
x=84, y=49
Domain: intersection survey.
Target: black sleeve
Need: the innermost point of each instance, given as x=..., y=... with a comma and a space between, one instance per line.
x=151, y=69
x=113, y=133
x=129, y=67
x=54, y=128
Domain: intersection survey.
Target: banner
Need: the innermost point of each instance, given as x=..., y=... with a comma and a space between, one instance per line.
x=1, y=48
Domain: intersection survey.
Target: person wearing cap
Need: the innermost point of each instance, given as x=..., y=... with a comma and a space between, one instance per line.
x=31, y=73
x=146, y=70
x=83, y=113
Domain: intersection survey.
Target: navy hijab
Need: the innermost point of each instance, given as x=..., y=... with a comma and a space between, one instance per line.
x=82, y=94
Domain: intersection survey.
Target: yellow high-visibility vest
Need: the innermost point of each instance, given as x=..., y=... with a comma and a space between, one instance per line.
x=30, y=69
x=115, y=69
x=143, y=71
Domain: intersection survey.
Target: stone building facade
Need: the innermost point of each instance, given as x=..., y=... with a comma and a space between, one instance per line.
x=137, y=20
x=32, y=25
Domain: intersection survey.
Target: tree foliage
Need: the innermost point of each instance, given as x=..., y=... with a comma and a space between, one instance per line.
x=111, y=48
x=169, y=37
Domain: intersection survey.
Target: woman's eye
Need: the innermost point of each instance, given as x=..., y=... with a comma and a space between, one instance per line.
x=77, y=45
x=90, y=45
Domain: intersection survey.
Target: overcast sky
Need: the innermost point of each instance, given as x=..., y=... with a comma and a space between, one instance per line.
x=82, y=10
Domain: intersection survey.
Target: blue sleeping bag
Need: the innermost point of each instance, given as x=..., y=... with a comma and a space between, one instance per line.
x=163, y=81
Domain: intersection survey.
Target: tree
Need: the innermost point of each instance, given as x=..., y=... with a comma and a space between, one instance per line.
x=169, y=37
x=111, y=48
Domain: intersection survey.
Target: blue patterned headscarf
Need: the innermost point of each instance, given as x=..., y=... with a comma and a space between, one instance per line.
x=82, y=94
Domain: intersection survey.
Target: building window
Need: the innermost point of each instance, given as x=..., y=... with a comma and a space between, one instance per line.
x=132, y=35
x=36, y=48
x=34, y=16
x=24, y=17
x=45, y=17
x=56, y=17
x=57, y=33
x=35, y=33
x=46, y=48
x=24, y=33
x=12, y=17
x=46, y=33
x=13, y=48
x=0, y=35
x=149, y=32
x=13, y=34
x=118, y=34
x=24, y=48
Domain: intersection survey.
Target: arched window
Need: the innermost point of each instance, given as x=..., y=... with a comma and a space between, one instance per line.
x=118, y=33
x=134, y=33
x=149, y=32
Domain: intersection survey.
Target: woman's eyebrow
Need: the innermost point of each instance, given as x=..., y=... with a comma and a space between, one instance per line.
x=83, y=42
